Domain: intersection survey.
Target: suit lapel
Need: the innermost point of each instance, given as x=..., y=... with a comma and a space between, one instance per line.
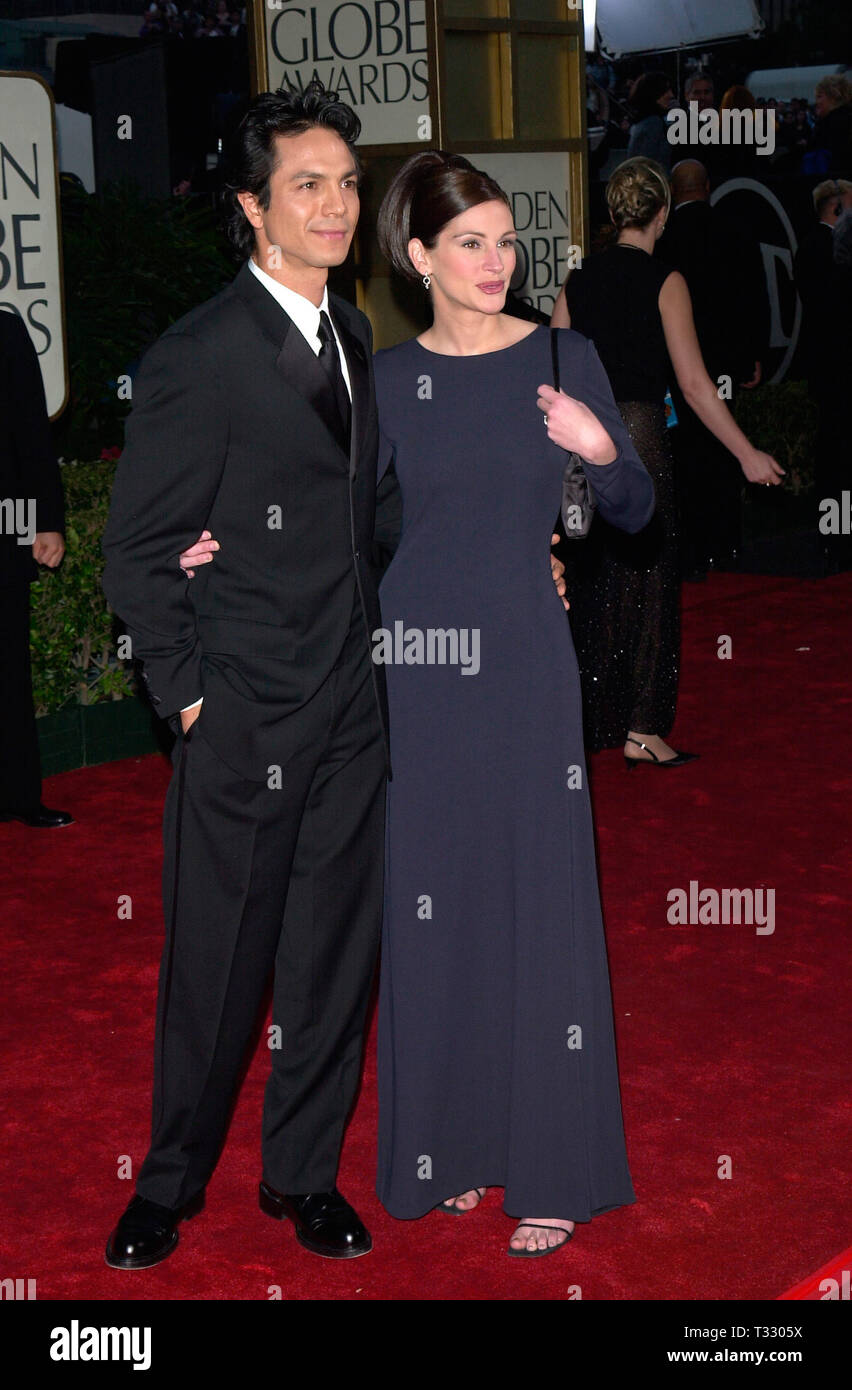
x=297, y=363
x=359, y=380
x=304, y=373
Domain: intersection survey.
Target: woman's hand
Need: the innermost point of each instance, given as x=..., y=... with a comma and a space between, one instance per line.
x=571, y=425
x=761, y=468
x=201, y=553
x=557, y=569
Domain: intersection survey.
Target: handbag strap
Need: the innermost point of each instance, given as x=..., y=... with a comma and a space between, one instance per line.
x=554, y=353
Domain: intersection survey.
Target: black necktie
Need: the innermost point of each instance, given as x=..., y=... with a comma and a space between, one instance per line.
x=330, y=359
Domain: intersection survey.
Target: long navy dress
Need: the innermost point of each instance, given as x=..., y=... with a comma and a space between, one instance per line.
x=496, y=1051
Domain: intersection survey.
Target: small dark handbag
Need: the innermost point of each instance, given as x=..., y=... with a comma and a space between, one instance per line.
x=578, y=503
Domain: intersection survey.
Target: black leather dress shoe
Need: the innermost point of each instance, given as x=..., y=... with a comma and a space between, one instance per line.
x=147, y=1233
x=42, y=818
x=325, y=1223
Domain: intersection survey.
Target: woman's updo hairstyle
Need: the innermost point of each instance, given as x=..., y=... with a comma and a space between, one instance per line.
x=636, y=191
x=430, y=189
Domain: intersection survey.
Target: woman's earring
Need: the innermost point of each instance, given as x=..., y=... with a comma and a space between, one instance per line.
x=427, y=280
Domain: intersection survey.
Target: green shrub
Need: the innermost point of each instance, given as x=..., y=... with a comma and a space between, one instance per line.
x=132, y=267
x=782, y=419
x=73, y=651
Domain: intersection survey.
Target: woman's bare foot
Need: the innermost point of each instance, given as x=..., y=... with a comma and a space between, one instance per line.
x=662, y=751
x=531, y=1236
x=466, y=1202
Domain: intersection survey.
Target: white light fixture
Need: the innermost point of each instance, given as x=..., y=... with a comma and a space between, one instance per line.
x=589, y=12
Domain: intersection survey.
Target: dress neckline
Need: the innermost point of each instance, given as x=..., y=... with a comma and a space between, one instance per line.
x=475, y=356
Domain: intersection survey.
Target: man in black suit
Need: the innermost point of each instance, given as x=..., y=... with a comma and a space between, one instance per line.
x=700, y=88
x=724, y=272
x=822, y=289
x=255, y=414
x=32, y=523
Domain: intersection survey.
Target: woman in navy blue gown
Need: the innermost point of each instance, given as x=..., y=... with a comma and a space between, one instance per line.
x=497, y=1057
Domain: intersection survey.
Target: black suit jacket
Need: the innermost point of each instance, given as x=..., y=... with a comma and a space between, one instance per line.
x=723, y=269
x=824, y=327
x=28, y=467
x=230, y=430
x=833, y=132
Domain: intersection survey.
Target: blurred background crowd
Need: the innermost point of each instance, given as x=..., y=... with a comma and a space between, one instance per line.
x=627, y=116
x=212, y=19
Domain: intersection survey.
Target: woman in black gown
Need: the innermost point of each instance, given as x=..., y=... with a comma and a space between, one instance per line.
x=624, y=590
x=496, y=1050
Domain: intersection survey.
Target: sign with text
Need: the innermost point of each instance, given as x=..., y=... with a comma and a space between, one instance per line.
x=373, y=53
x=30, y=246
x=537, y=186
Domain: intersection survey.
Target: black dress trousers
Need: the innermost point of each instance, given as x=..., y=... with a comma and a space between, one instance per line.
x=261, y=877
x=20, y=766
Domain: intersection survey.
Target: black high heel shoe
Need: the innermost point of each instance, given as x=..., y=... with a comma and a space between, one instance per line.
x=677, y=761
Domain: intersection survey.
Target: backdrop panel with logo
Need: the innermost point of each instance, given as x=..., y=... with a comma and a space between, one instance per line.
x=475, y=79
x=30, y=246
x=374, y=53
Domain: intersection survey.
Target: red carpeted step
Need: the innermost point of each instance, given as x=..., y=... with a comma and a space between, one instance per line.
x=831, y=1283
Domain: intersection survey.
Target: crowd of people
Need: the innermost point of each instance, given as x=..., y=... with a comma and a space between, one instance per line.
x=203, y=19
x=812, y=140
x=811, y=136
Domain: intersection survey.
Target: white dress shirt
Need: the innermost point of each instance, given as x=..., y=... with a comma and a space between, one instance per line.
x=306, y=317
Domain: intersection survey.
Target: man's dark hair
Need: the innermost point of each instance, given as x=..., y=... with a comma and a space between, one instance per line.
x=646, y=91
x=251, y=155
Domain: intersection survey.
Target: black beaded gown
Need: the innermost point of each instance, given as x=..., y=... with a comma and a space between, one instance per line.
x=496, y=1055
x=625, y=589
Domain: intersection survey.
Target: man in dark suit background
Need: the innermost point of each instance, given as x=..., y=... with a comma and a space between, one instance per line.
x=255, y=415
x=822, y=288
x=724, y=272
x=32, y=523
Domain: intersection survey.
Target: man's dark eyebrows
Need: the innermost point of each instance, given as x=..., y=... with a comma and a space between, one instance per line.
x=313, y=174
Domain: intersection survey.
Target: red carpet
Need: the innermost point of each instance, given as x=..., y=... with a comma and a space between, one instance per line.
x=731, y=1043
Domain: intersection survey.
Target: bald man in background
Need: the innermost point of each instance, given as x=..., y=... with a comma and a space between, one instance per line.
x=723, y=269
